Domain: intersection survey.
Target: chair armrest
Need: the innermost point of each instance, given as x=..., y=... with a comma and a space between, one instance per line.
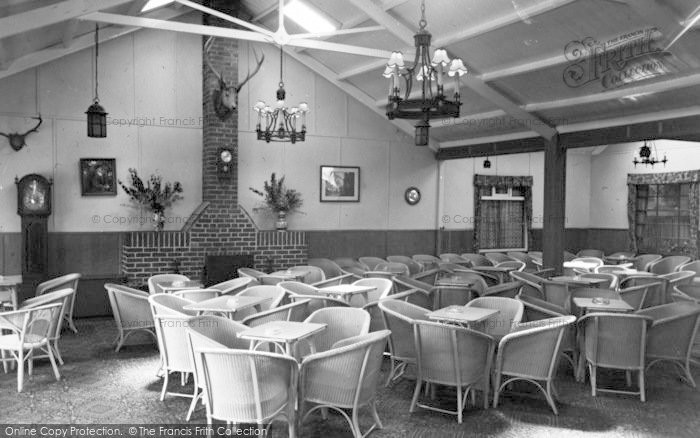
x=503, y=287
x=545, y=273
x=335, y=280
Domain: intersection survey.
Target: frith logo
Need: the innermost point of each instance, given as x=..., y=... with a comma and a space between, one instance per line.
x=626, y=58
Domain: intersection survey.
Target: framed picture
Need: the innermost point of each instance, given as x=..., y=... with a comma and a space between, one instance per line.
x=98, y=177
x=340, y=184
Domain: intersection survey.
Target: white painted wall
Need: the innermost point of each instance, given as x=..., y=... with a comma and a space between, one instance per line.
x=148, y=75
x=340, y=131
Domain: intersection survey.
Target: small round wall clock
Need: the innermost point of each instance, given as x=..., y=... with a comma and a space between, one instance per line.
x=412, y=195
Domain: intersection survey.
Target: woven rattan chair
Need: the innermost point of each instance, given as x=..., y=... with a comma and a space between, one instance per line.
x=667, y=264
x=131, y=312
x=452, y=356
x=531, y=283
x=656, y=293
x=399, y=318
x=371, y=262
x=210, y=332
x=313, y=274
x=395, y=268
x=610, y=279
x=172, y=344
x=591, y=253
x=275, y=295
x=613, y=269
x=509, y=289
x=675, y=279
x=346, y=377
x=413, y=266
x=68, y=281
x=382, y=288
x=672, y=335
x=530, y=353
x=316, y=302
x=693, y=266
x=265, y=386
x=477, y=259
x=596, y=261
x=451, y=257
x=197, y=295
x=330, y=268
x=153, y=280
x=427, y=261
x=234, y=286
x=535, y=309
x=510, y=314
x=295, y=311
x=517, y=265
x=351, y=266
x=637, y=296
x=167, y=304
x=250, y=272
x=30, y=331
x=642, y=261
x=530, y=262
x=298, y=288
x=615, y=340
x=557, y=293
x=341, y=323
x=497, y=257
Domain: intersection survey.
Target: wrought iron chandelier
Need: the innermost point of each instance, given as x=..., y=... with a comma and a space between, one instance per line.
x=432, y=103
x=96, y=114
x=645, y=156
x=281, y=122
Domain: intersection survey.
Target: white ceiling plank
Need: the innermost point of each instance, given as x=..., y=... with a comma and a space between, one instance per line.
x=489, y=139
x=378, y=14
x=630, y=120
x=525, y=67
x=391, y=4
x=351, y=90
x=269, y=11
x=69, y=32
x=136, y=7
x=56, y=13
x=466, y=119
x=470, y=32
x=657, y=15
x=224, y=17
x=338, y=32
x=82, y=42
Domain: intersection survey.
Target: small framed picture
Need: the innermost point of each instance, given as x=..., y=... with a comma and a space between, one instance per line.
x=98, y=177
x=340, y=184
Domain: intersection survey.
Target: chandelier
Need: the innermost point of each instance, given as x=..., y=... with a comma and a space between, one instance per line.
x=645, y=156
x=280, y=123
x=96, y=114
x=432, y=103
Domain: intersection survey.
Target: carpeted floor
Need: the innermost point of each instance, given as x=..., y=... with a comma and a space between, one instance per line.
x=100, y=386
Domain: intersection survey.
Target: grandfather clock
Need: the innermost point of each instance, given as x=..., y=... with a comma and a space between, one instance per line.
x=34, y=206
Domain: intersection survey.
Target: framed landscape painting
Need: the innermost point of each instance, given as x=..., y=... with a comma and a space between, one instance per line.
x=98, y=177
x=340, y=184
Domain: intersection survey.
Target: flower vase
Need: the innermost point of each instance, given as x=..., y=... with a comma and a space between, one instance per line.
x=158, y=221
x=281, y=224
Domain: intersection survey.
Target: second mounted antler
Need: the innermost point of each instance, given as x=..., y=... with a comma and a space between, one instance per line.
x=225, y=98
x=17, y=140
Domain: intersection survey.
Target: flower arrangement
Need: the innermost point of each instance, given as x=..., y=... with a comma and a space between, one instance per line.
x=154, y=195
x=278, y=198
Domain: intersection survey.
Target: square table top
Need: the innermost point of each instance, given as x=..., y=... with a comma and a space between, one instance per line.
x=10, y=280
x=346, y=289
x=580, y=264
x=180, y=284
x=453, y=281
x=226, y=303
x=291, y=275
x=505, y=269
x=578, y=280
x=282, y=331
x=610, y=305
x=462, y=314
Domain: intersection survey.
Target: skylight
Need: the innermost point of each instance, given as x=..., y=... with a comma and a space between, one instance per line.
x=153, y=4
x=307, y=17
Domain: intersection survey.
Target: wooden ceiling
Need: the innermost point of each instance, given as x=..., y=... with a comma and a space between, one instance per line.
x=537, y=68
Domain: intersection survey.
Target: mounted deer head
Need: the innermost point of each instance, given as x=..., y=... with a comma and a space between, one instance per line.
x=226, y=97
x=17, y=140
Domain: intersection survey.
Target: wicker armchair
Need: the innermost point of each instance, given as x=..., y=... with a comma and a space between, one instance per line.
x=153, y=280
x=557, y=293
x=413, y=266
x=68, y=281
x=346, y=377
x=234, y=286
x=675, y=279
x=536, y=310
x=530, y=353
x=210, y=332
x=509, y=289
x=642, y=261
x=656, y=292
x=517, y=265
x=399, y=318
x=667, y=264
x=477, y=259
x=453, y=356
x=693, y=266
x=315, y=302
x=174, y=356
x=672, y=335
x=197, y=295
x=330, y=268
x=591, y=253
x=532, y=284
x=295, y=311
x=131, y=312
x=371, y=262
x=394, y=268
x=497, y=257
x=352, y=266
x=615, y=340
x=167, y=304
x=427, y=261
x=31, y=331
x=265, y=386
x=312, y=274
x=610, y=279
x=382, y=287
x=510, y=313
x=274, y=293
x=457, y=259
x=341, y=323
x=250, y=273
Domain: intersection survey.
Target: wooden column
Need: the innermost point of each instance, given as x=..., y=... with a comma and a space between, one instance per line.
x=554, y=204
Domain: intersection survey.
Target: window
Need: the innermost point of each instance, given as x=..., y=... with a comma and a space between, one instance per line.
x=502, y=224
x=662, y=216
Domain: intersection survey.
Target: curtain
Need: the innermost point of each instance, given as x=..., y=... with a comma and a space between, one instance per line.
x=637, y=221
x=482, y=185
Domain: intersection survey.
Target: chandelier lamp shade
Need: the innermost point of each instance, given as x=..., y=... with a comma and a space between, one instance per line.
x=645, y=156
x=430, y=101
x=96, y=114
x=281, y=123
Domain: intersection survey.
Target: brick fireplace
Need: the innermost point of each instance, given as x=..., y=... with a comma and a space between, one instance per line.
x=219, y=226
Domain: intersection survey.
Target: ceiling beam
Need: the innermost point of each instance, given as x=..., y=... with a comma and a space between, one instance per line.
x=56, y=13
x=136, y=7
x=69, y=32
x=657, y=15
x=198, y=29
x=391, y=24
x=35, y=59
x=466, y=33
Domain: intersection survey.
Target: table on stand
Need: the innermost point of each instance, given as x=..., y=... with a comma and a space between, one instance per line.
x=227, y=304
x=576, y=281
x=288, y=333
x=462, y=314
x=8, y=289
x=345, y=292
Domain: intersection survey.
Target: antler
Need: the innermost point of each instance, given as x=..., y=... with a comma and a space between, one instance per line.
x=250, y=75
x=34, y=129
x=206, y=58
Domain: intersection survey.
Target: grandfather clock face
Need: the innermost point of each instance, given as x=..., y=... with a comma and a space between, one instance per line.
x=33, y=196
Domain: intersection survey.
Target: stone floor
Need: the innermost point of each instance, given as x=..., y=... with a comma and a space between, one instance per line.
x=101, y=386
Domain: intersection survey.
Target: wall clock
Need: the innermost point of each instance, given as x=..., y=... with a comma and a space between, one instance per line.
x=34, y=206
x=412, y=195
x=224, y=163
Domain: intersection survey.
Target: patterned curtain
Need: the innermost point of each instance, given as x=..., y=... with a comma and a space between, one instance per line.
x=636, y=224
x=485, y=182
